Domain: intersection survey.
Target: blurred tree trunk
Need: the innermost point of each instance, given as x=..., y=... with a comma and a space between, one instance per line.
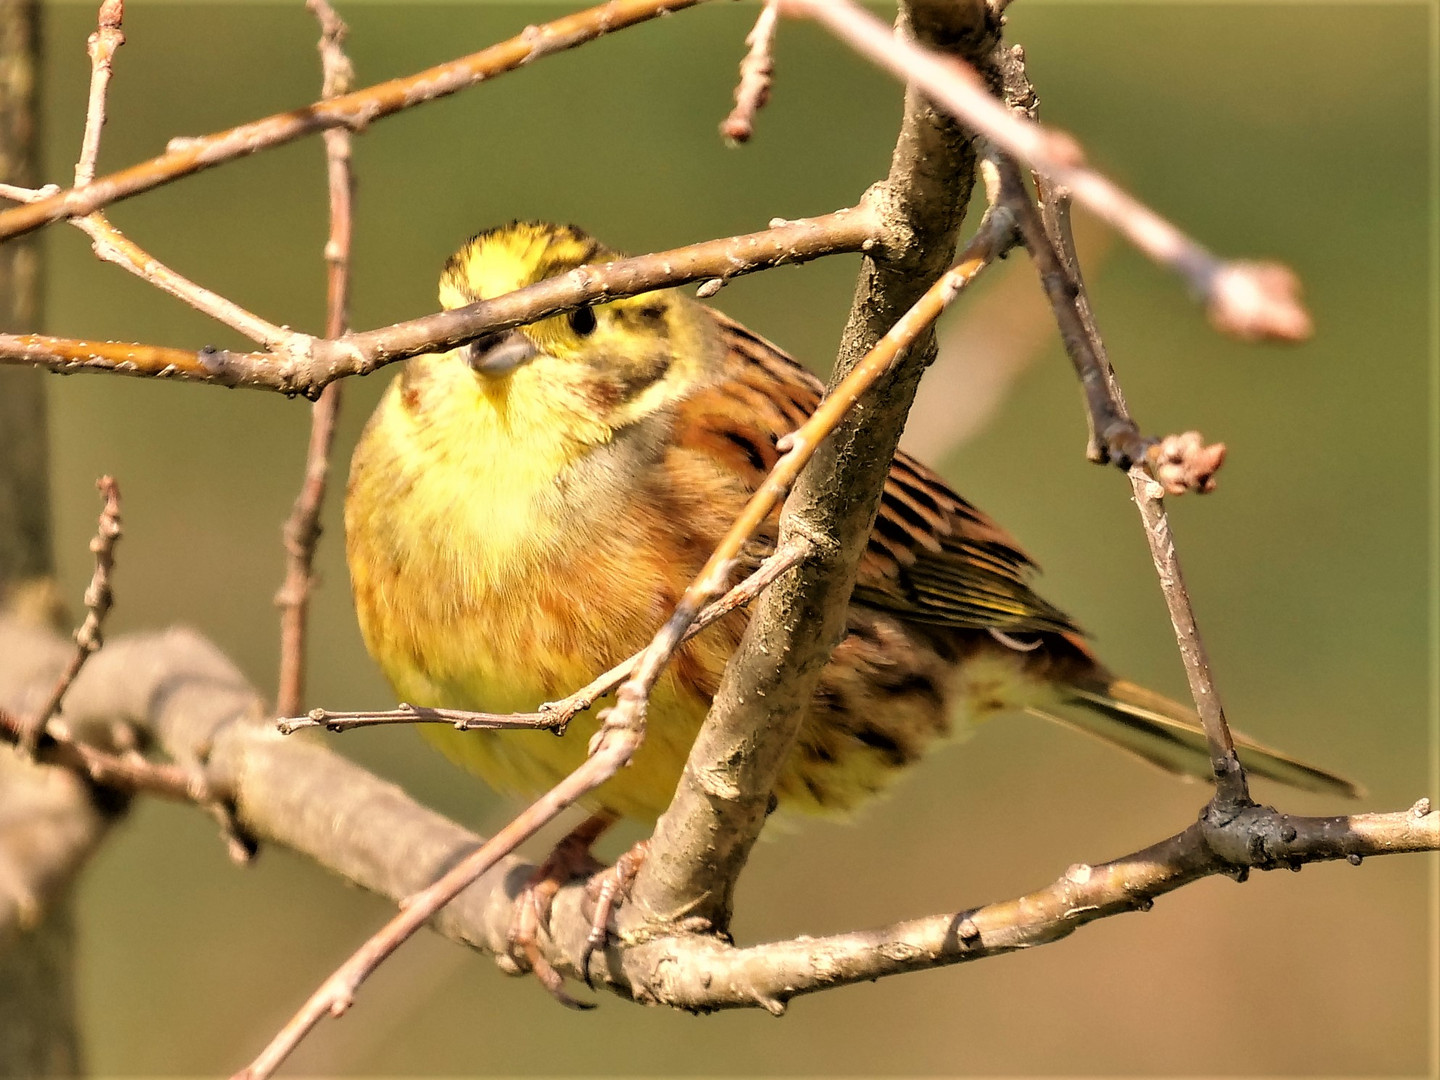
x=38, y=1032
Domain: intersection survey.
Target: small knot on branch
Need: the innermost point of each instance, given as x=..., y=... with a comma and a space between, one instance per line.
x=1182, y=463
x=1258, y=302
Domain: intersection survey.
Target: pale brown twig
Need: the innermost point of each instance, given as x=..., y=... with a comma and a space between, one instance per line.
x=1231, y=788
x=309, y=369
x=355, y=111
x=16, y=193
x=98, y=598
x=302, y=528
x=113, y=246
x=338, y=721
x=756, y=69
x=555, y=715
x=1252, y=301
x=102, y=45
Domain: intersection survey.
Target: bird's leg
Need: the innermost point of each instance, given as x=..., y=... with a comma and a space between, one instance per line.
x=607, y=888
x=570, y=859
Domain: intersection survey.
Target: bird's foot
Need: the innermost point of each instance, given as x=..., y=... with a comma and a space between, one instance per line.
x=570, y=859
x=607, y=889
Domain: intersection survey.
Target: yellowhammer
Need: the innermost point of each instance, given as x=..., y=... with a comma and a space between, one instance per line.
x=524, y=511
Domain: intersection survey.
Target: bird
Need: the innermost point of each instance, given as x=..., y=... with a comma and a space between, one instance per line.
x=523, y=511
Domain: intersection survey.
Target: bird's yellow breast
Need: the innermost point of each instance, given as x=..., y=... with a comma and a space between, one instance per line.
x=494, y=579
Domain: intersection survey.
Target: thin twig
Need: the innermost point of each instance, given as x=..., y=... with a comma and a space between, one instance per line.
x=555, y=715
x=113, y=246
x=1231, y=789
x=753, y=90
x=15, y=193
x=339, y=721
x=102, y=45
x=1197, y=462
x=128, y=773
x=109, y=243
x=98, y=598
x=1179, y=462
x=302, y=529
x=355, y=111
x=308, y=369
x=1252, y=301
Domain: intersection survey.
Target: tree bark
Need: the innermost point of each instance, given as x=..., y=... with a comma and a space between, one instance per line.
x=40, y=809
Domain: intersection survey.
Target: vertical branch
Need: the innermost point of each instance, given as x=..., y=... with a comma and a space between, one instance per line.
x=1054, y=252
x=706, y=836
x=44, y=819
x=102, y=45
x=98, y=599
x=753, y=90
x=302, y=529
x=25, y=552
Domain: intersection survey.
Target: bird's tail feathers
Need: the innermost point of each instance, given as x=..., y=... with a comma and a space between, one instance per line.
x=1167, y=734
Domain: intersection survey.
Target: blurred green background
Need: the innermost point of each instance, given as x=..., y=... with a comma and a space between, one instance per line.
x=1288, y=131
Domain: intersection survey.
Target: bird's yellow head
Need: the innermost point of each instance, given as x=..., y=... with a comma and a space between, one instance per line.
x=589, y=372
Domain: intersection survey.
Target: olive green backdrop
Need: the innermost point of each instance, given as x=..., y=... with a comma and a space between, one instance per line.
x=1290, y=131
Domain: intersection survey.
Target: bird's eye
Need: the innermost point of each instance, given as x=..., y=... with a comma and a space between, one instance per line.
x=582, y=321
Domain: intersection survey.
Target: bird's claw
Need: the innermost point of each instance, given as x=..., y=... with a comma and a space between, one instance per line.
x=607, y=889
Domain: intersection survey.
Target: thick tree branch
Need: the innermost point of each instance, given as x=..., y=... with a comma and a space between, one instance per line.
x=702, y=842
x=198, y=708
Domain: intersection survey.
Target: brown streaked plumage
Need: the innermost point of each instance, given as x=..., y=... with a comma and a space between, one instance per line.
x=524, y=511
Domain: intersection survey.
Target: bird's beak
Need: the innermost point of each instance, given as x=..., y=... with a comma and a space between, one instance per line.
x=499, y=354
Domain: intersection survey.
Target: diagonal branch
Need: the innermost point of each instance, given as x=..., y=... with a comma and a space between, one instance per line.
x=1251, y=301
x=98, y=598
x=355, y=111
